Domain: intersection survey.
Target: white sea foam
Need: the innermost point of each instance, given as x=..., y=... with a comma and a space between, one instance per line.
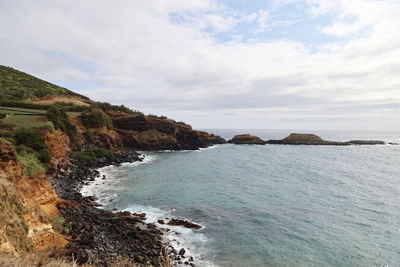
x=207, y=148
x=179, y=237
x=98, y=186
x=194, y=242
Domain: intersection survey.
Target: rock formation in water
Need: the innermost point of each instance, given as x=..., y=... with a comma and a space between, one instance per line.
x=246, y=139
x=312, y=139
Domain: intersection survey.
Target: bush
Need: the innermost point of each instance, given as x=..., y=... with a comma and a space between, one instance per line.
x=121, y=108
x=89, y=136
x=96, y=118
x=31, y=163
x=44, y=155
x=158, y=117
x=49, y=126
x=29, y=142
x=60, y=120
x=28, y=137
x=102, y=153
x=58, y=224
x=85, y=156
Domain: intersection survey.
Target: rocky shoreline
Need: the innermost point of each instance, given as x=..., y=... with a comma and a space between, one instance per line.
x=103, y=237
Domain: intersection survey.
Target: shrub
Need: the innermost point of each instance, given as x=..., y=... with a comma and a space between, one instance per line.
x=49, y=126
x=96, y=118
x=28, y=137
x=162, y=117
x=89, y=136
x=58, y=224
x=102, y=153
x=85, y=156
x=29, y=142
x=32, y=165
x=121, y=108
x=44, y=155
x=60, y=120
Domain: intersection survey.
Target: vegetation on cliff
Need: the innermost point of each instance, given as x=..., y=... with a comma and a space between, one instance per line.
x=49, y=128
x=17, y=85
x=96, y=118
x=92, y=154
x=60, y=120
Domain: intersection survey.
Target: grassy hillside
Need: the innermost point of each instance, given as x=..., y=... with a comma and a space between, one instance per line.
x=17, y=85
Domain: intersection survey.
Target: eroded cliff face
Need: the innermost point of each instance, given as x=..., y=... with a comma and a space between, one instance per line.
x=27, y=208
x=150, y=133
x=59, y=146
x=102, y=137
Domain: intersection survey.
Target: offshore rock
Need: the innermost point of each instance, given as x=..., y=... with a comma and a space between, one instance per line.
x=246, y=139
x=312, y=139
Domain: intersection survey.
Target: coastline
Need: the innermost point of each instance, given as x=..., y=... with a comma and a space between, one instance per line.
x=106, y=236
x=99, y=235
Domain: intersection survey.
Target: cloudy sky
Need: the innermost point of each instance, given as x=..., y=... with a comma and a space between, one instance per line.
x=289, y=64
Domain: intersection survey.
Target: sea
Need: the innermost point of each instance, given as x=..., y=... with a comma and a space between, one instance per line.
x=271, y=205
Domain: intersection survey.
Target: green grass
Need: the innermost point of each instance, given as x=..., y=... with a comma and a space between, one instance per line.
x=17, y=85
x=74, y=114
x=25, y=121
x=12, y=111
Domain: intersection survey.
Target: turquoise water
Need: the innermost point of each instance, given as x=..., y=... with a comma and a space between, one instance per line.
x=271, y=205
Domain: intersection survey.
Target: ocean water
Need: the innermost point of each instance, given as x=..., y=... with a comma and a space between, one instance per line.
x=271, y=205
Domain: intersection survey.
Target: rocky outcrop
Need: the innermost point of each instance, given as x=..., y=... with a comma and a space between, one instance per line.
x=297, y=137
x=312, y=139
x=101, y=137
x=246, y=139
x=205, y=137
x=184, y=223
x=59, y=146
x=152, y=133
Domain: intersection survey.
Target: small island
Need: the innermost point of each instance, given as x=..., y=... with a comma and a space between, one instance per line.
x=300, y=139
x=246, y=139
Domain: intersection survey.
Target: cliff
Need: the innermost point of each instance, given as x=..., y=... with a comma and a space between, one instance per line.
x=28, y=206
x=150, y=133
x=55, y=135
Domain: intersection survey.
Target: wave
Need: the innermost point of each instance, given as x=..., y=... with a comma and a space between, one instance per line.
x=194, y=242
x=98, y=186
x=178, y=237
x=207, y=148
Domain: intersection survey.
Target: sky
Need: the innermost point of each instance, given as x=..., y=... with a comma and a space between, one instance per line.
x=244, y=64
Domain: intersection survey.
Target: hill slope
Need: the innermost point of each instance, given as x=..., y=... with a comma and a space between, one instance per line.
x=18, y=85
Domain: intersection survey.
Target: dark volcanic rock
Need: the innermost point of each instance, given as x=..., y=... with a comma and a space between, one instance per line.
x=184, y=223
x=152, y=133
x=137, y=123
x=312, y=139
x=246, y=139
x=166, y=127
x=100, y=234
x=366, y=142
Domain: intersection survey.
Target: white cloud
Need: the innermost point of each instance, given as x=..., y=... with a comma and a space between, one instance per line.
x=163, y=57
x=263, y=18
